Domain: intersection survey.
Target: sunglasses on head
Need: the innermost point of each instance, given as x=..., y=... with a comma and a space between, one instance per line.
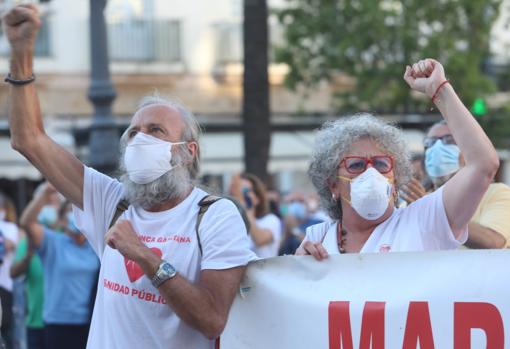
x=358, y=164
x=430, y=141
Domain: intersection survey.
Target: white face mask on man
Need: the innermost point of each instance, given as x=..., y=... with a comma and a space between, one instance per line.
x=370, y=193
x=147, y=158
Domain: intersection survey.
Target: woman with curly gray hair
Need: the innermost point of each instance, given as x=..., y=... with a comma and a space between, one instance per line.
x=359, y=163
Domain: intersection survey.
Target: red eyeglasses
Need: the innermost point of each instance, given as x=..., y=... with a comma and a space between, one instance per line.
x=358, y=164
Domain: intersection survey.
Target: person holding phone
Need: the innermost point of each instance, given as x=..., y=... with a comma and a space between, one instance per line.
x=265, y=227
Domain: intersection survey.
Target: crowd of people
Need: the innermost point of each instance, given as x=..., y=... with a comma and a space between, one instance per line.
x=151, y=260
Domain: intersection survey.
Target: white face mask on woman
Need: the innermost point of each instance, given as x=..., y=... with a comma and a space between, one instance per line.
x=147, y=158
x=370, y=194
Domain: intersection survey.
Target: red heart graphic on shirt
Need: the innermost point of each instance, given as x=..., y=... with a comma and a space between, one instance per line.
x=134, y=271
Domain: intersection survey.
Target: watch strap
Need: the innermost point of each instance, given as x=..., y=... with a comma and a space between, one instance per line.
x=165, y=272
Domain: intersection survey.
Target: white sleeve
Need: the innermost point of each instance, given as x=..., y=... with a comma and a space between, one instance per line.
x=225, y=242
x=434, y=227
x=316, y=232
x=11, y=233
x=100, y=197
x=273, y=223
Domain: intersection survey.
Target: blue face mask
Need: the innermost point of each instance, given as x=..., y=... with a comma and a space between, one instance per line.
x=71, y=223
x=48, y=216
x=442, y=159
x=298, y=210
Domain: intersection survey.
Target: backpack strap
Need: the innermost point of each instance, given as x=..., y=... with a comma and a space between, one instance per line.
x=203, y=205
x=122, y=206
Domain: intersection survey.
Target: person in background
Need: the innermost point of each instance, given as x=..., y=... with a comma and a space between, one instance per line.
x=29, y=264
x=297, y=219
x=265, y=227
x=489, y=226
x=70, y=274
x=273, y=198
x=8, y=241
x=316, y=212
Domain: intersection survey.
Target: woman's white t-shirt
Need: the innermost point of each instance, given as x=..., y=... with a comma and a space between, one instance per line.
x=272, y=222
x=421, y=226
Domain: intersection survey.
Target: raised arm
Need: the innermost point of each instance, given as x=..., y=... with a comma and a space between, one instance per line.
x=28, y=220
x=28, y=137
x=463, y=192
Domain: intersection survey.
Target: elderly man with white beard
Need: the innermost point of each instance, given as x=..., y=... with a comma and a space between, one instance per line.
x=164, y=283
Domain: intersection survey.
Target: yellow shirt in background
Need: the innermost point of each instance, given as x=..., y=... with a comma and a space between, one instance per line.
x=494, y=210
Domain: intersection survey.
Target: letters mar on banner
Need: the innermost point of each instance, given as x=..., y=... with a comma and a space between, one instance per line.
x=439, y=300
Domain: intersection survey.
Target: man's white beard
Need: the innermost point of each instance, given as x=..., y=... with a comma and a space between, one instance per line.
x=174, y=184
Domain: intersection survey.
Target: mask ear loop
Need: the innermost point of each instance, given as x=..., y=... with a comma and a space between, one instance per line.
x=341, y=196
x=171, y=146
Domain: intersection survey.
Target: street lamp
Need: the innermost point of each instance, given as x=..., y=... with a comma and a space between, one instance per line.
x=104, y=137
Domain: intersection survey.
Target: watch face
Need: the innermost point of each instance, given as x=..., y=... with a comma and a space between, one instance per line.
x=167, y=268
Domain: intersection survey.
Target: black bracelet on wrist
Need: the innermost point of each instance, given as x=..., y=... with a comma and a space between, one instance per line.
x=12, y=81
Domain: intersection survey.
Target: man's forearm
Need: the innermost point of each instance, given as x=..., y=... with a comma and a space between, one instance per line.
x=480, y=237
x=193, y=303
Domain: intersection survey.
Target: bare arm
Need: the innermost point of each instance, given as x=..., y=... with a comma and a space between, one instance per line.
x=19, y=268
x=27, y=131
x=260, y=236
x=28, y=220
x=484, y=237
x=463, y=192
x=205, y=305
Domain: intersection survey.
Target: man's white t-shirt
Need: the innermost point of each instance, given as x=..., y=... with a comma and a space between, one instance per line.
x=129, y=312
x=421, y=226
x=272, y=222
x=10, y=231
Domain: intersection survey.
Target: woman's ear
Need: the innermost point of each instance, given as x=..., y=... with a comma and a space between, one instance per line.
x=332, y=184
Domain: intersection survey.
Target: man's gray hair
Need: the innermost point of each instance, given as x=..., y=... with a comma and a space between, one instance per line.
x=334, y=140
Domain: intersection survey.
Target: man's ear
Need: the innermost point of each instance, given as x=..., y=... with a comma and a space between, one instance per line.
x=193, y=148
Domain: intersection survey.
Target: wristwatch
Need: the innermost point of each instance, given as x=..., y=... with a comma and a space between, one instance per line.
x=165, y=271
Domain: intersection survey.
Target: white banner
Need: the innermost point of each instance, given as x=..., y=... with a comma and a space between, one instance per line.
x=441, y=300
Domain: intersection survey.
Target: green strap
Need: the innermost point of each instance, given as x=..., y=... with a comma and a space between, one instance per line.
x=203, y=205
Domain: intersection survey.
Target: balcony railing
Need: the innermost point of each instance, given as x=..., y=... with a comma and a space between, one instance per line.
x=229, y=42
x=145, y=41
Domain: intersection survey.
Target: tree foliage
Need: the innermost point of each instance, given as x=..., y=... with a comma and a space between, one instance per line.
x=373, y=40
